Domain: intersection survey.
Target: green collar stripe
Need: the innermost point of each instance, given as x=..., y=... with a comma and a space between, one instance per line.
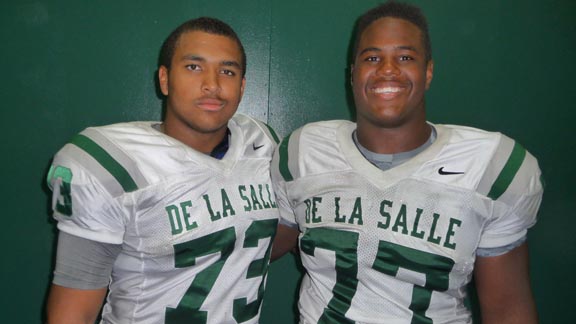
x=273, y=133
x=508, y=172
x=106, y=160
x=283, y=151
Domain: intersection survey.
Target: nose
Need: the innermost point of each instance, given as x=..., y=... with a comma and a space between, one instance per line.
x=388, y=67
x=210, y=82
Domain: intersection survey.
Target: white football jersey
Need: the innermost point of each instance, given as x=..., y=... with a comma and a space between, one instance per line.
x=398, y=246
x=195, y=231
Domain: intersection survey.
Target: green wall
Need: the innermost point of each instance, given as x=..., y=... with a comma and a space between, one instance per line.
x=499, y=65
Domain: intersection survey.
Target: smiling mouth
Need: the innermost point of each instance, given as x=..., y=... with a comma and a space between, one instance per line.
x=385, y=90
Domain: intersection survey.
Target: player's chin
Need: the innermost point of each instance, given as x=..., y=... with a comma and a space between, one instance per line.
x=213, y=125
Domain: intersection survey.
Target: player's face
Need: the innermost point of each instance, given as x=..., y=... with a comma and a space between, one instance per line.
x=204, y=85
x=390, y=74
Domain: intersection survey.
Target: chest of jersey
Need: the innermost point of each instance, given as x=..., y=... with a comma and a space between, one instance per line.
x=399, y=246
x=388, y=237
x=194, y=238
x=414, y=213
x=197, y=203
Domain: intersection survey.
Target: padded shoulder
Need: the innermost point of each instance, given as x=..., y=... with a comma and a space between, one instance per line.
x=252, y=125
x=104, y=153
x=315, y=141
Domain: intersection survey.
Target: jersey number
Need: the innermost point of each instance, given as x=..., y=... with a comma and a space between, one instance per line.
x=389, y=259
x=63, y=204
x=185, y=254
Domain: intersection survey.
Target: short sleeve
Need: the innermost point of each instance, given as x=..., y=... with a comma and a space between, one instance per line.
x=81, y=203
x=516, y=190
x=280, y=175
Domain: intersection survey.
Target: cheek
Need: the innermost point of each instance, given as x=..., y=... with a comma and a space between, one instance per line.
x=233, y=91
x=419, y=81
x=357, y=91
x=358, y=80
x=358, y=76
x=179, y=94
x=184, y=88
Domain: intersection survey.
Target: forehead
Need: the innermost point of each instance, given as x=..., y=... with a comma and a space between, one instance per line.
x=207, y=46
x=390, y=31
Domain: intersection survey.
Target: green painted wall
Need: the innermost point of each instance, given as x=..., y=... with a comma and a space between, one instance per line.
x=499, y=65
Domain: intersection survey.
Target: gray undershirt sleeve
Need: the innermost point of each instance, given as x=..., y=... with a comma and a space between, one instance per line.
x=491, y=252
x=83, y=263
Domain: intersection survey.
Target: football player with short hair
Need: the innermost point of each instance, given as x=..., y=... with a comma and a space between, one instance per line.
x=176, y=218
x=394, y=214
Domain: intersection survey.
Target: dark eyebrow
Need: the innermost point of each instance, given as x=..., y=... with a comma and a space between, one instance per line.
x=370, y=49
x=190, y=57
x=197, y=58
x=231, y=64
x=407, y=47
x=401, y=47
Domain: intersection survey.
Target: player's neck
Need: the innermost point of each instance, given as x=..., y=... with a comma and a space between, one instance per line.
x=202, y=142
x=392, y=140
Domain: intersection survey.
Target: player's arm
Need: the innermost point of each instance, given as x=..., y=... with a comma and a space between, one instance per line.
x=285, y=241
x=503, y=287
x=81, y=278
x=284, y=169
x=74, y=306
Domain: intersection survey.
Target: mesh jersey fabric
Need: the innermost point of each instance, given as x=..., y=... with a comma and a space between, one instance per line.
x=398, y=246
x=195, y=231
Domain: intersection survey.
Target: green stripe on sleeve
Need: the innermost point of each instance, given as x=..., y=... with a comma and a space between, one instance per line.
x=273, y=133
x=508, y=172
x=283, y=151
x=106, y=160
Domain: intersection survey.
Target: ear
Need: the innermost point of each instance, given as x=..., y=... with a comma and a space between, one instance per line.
x=163, y=79
x=429, y=73
x=352, y=75
x=242, y=86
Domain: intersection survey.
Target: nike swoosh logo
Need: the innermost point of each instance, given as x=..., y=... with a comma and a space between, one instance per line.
x=256, y=147
x=442, y=172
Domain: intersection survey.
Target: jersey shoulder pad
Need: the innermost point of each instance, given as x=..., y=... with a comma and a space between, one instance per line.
x=105, y=153
x=251, y=126
x=503, y=164
x=511, y=171
x=314, y=142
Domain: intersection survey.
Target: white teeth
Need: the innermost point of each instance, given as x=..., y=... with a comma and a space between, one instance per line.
x=387, y=90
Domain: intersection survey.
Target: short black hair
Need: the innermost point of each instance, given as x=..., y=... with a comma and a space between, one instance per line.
x=205, y=24
x=394, y=9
